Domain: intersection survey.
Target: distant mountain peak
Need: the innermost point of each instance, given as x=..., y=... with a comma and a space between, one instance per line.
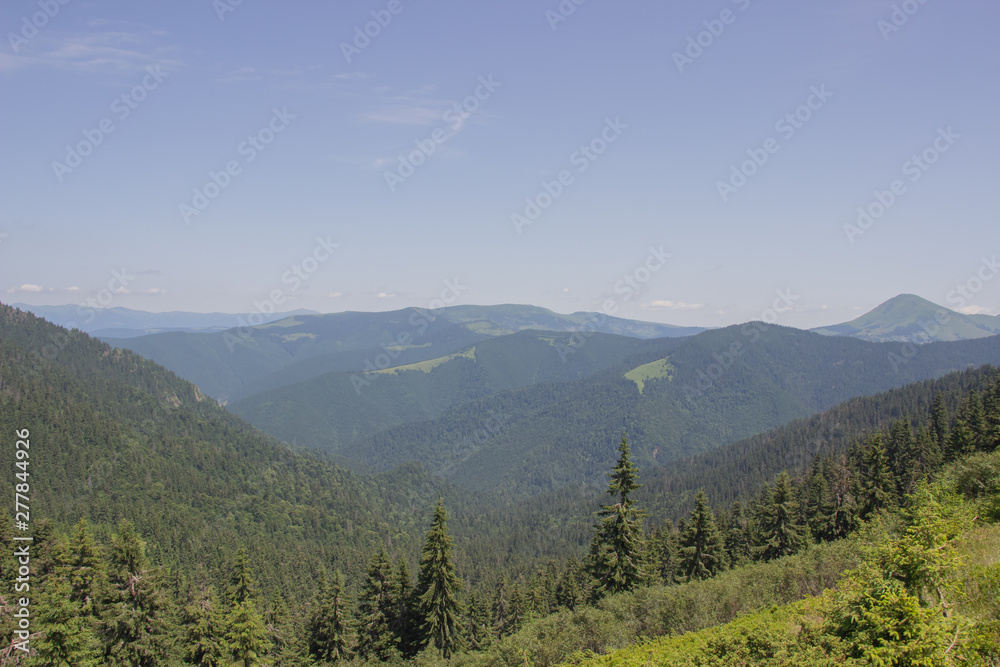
x=914, y=319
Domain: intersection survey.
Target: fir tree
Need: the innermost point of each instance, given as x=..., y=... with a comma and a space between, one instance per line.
x=438, y=588
x=701, y=550
x=617, y=550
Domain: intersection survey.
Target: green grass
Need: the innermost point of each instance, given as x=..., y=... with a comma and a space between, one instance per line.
x=287, y=322
x=430, y=364
x=655, y=370
x=297, y=336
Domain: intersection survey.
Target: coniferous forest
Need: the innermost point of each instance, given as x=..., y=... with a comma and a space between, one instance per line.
x=166, y=532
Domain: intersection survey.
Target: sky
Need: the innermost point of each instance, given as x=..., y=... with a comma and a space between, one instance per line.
x=685, y=163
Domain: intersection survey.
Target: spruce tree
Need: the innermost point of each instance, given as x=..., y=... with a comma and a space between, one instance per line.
x=133, y=619
x=85, y=570
x=737, y=539
x=702, y=553
x=780, y=530
x=246, y=634
x=329, y=632
x=479, y=623
x=438, y=588
x=204, y=633
x=663, y=552
x=876, y=482
x=405, y=626
x=617, y=550
x=65, y=635
x=377, y=605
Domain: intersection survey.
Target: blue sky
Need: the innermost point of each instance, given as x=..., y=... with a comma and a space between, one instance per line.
x=743, y=157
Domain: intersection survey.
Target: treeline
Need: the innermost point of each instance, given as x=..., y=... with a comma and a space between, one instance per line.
x=95, y=604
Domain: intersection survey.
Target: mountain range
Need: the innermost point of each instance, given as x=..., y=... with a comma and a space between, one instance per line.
x=522, y=401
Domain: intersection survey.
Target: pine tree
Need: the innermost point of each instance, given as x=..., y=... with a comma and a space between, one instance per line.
x=617, y=550
x=702, y=553
x=329, y=633
x=438, y=588
x=377, y=605
x=780, y=531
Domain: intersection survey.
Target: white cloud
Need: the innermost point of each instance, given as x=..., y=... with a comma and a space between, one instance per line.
x=386, y=295
x=117, y=51
x=671, y=305
x=334, y=295
x=26, y=287
x=975, y=310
